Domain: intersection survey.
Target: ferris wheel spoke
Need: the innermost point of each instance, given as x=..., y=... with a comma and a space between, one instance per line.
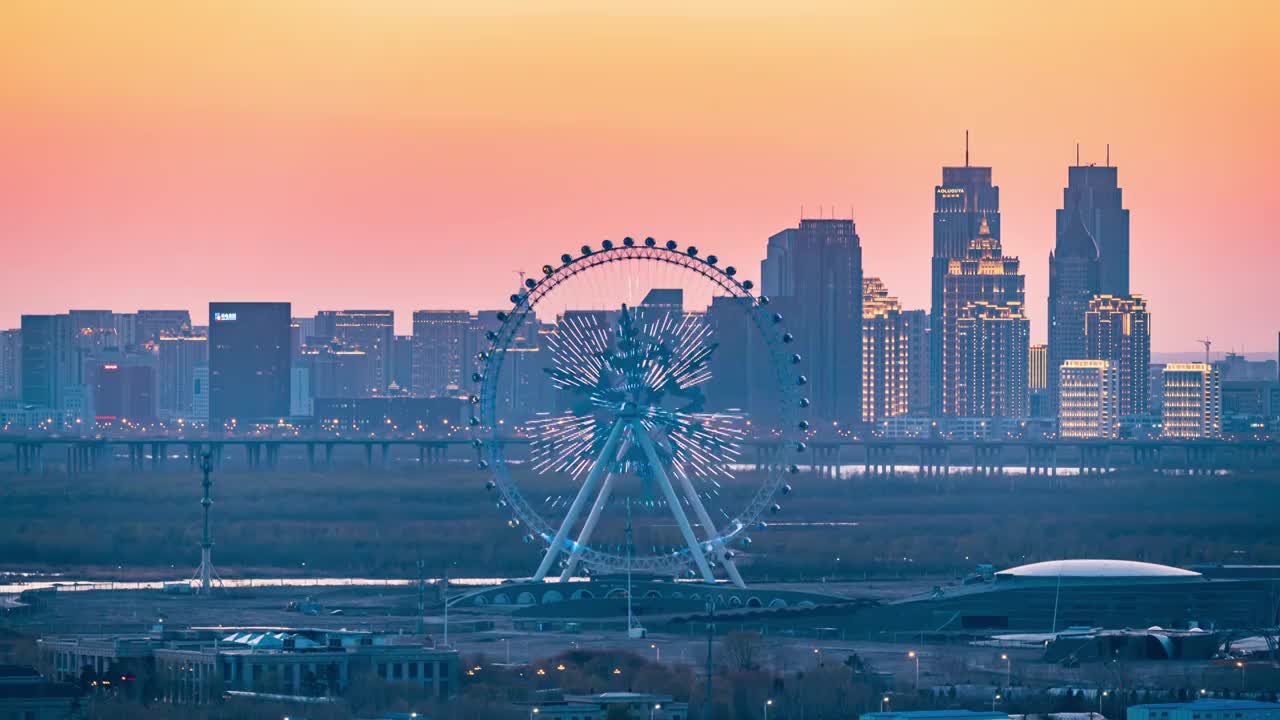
x=660, y=474
x=713, y=535
x=588, y=486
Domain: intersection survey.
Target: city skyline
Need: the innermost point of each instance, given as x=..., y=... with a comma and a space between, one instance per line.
x=273, y=173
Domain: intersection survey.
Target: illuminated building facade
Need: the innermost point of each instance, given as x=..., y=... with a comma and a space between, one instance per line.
x=815, y=273
x=442, y=342
x=1038, y=377
x=1118, y=329
x=1089, y=399
x=886, y=354
x=985, y=278
x=992, y=342
x=1090, y=257
x=1192, y=405
x=370, y=331
x=961, y=204
x=249, y=362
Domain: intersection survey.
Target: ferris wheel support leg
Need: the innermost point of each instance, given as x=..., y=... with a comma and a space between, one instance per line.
x=606, y=488
x=709, y=527
x=593, y=517
x=673, y=500
x=588, y=487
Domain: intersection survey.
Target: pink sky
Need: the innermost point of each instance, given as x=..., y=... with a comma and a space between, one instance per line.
x=386, y=153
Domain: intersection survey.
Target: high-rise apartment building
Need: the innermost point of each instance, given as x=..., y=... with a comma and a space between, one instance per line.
x=1192, y=403
x=889, y=361
x=815, y=276
x=1090, y=257
x=176, y=359
x=1118, y=329
x=442, y=352
x=123, y=389
x=249, y=362
x=10, y=364
x=965, y=199
x=992, y=342
x=51, y=360
x=983, y=277
x=370, y=331
x=1090, y=400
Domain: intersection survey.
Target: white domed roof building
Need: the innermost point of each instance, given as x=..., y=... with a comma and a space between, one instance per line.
x=1107, y=571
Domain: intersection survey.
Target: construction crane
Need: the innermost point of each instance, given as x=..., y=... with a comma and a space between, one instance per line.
x=1207, y=343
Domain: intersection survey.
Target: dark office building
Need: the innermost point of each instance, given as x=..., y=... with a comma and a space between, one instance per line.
x=124, y=389
x=815, y=274
x=249, y=362
x=960, y=204
x=1090, y=257
x=402, y=362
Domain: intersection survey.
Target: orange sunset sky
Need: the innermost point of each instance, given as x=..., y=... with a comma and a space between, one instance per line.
x=389, y=153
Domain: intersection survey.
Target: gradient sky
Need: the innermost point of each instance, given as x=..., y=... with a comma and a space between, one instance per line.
x=415, y=154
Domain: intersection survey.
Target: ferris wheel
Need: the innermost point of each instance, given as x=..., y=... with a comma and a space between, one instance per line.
x=627, y=384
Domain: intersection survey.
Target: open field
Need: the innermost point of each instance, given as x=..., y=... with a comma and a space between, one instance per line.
x=369, y=522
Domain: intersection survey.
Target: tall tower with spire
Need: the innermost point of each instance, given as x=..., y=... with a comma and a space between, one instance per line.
x=961, y=203
x=1090, y=257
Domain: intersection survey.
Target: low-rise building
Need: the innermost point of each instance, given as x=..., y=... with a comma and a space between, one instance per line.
x=635, y=706
x=1209, y=709
x=28, y=695
x=194, y=665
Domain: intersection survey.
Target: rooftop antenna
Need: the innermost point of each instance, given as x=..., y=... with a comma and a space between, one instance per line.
x=966, y=148
x=1108, y=154
x=205, y=573
x=1077, y=154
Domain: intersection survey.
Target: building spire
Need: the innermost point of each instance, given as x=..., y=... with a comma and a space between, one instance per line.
x=966, y=148
x=1077, y=154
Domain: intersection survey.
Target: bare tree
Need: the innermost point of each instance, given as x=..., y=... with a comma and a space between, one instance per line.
x=742, y=649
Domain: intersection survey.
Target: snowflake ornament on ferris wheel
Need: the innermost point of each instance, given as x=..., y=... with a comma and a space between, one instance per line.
x=633, y=426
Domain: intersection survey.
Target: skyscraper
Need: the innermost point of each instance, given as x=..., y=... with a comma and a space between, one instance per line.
x=1039, y=359
x=249, y=362
x=370, y=331
x=1090, y=257
x=10, y=364
x=815, y=271
x=1118, y=329
x=177, y=358
x=50, y=360
x=441, y=352
x=1089, y=406
x=152, y=324
x=992, y=341
x=983, y=276
x=886, y=354
x=961, y=203
x=1192, y=406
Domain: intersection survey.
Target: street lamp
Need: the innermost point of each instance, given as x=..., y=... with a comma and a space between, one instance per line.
x=994, y=699
x=656, y=706
x=916, y=656
x=1101, y=694
x=1240, y=664
x=534, y=711
x=818, y=652
x=657, y=652
x=1008, y=669
x=884, y=703
x=767, y=703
